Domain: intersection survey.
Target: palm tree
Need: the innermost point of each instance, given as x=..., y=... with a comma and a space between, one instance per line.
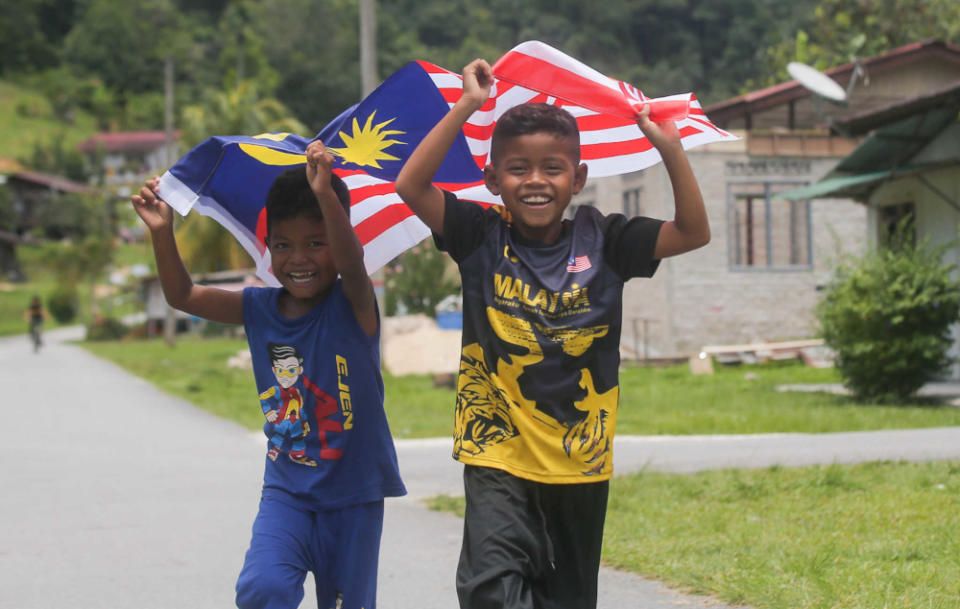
x=238, y=111
x=207, y=246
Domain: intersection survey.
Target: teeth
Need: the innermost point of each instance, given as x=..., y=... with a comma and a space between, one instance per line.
x=301, y=277
x=536, y=200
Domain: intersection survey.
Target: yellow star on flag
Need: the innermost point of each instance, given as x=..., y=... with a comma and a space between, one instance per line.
x=366, y=146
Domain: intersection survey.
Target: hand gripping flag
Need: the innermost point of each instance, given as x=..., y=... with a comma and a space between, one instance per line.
x=228, y=177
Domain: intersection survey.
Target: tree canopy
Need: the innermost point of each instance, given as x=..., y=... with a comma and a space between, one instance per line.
x=302, y=55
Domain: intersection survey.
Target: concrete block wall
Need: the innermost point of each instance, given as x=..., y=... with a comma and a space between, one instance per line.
x=698, y=298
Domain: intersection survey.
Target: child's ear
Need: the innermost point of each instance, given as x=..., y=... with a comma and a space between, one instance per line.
x=579, y=178
x=490, y=180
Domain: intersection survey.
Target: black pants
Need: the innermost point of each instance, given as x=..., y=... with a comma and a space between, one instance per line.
x=529, y=545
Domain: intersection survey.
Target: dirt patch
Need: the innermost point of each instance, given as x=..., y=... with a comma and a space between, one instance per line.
x=413, y=344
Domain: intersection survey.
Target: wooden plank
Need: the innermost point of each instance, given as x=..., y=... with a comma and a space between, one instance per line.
x=762, y=347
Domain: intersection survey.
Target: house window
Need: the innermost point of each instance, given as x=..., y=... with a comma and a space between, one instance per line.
x=631, y=202
x=768, y=232
x=892, y=217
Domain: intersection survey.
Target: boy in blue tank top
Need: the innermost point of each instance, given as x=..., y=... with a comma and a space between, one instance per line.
x=538, y=384
x=314, y=342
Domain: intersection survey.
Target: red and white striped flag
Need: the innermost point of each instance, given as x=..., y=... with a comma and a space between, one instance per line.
x=228, y=177
x=605, y=108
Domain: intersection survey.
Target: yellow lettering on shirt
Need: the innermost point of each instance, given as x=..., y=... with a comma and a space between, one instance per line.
x=557, y=304
x=345, y=405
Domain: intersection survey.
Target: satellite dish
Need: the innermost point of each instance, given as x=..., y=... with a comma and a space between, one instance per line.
x=817, y=82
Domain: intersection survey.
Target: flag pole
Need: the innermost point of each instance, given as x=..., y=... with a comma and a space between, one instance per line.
x=368, y=46
x=170, y=323
x=368, y=82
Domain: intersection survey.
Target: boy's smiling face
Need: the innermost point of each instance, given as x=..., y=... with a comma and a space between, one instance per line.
x=302, y=260
x=536, y=175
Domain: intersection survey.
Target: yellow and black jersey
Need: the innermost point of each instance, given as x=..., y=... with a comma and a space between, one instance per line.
x=538, y=383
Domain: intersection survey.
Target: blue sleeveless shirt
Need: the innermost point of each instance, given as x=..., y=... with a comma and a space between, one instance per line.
x=320, y=389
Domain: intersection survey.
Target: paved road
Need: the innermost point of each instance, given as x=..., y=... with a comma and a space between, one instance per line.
x=116, y=495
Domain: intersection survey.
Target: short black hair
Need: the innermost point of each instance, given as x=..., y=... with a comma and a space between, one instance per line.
x=290, y=196
x=526, y=119
x=280, y=351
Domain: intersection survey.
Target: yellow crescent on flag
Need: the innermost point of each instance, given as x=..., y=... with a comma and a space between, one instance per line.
x=269, y=156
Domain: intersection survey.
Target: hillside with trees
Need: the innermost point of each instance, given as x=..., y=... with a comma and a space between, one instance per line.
x=106, y=57
x=69, y=68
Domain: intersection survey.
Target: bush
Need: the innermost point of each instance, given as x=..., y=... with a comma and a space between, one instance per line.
x=418, y=280
x=106, y=328
x=62, y=304
x=887, y=315
x=34, y=106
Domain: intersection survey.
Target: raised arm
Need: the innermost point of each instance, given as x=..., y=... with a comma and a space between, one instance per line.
x=689, y=228
x=415, y=182
x=344, y=244
x=218, y=305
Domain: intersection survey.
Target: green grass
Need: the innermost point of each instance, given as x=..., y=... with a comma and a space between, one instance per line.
x=416, y=409
x=14, y=300
x=653, y=400
x=453, y=504
x=830, y=537
x=867, y=536
x=18, y=133
x=743, y=399
x=870, y=536
x=15, y=297
x=129, y=254
x=195, y=370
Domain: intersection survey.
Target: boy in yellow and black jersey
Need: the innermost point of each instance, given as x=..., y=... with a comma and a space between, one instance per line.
x=538, y=383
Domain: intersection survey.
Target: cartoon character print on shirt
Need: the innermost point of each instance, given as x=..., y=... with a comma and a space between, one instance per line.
x=488, y=400
x=283, y=407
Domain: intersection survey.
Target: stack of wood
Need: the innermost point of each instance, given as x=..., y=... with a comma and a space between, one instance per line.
x=812, y=352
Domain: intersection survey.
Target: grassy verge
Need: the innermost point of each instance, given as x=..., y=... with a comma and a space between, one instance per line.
x=871, y=536
x=15, y=297
x=743, y=399
x=867, y=536
x=18, y=134
x=195, y=370
x=14, y=301
x=653, y=401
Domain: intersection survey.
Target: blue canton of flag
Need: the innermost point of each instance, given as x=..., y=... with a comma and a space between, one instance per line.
x=382, y=131
x=577, y=264
x=228, y=177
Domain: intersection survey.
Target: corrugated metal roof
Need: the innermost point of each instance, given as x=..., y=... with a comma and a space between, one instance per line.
x=784, y=92
x=894, y=145
x=53, y=182
x=900, y=132
x=862, y=122
x=125, y=141
x=858, y=186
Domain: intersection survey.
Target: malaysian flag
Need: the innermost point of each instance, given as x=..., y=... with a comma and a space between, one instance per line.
x=227, y=177
x=577, y=264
